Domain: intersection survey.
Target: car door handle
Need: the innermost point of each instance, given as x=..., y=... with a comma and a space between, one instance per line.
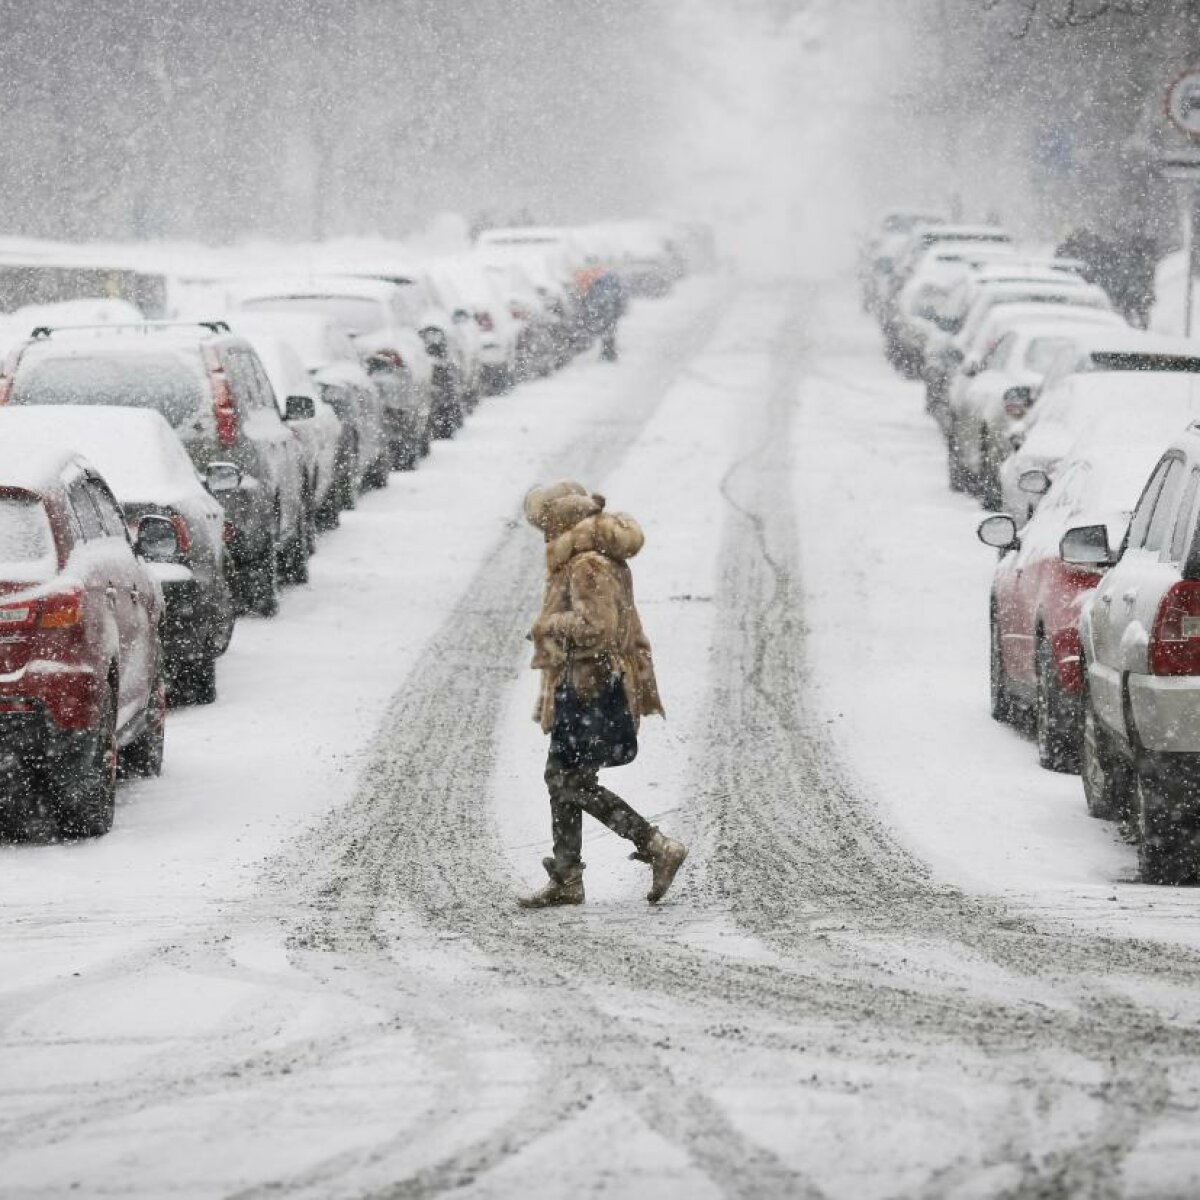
x=1129, y=597
x=1106, y=598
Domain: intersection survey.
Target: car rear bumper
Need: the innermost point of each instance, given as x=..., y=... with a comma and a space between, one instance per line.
x=57, y=701
x=190, y=620
x=1166, y=713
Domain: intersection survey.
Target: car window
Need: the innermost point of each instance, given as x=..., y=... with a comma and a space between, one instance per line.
x=1042, y=351
x=26, y=539
x=85, y=512
x=263, y=391
x=240, y=370
x=355, y=314
x=1178, y=545
x=997, y=356
x=112, y=521
x=169, y=382
x=1162, y=521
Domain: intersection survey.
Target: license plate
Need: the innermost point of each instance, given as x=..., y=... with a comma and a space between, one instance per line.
x=13, y=616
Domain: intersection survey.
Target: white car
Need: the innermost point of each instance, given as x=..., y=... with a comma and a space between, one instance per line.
x=1090, y=402
x=997, y=389
x=1140, y=636
x=469, y=290
x=378, y=317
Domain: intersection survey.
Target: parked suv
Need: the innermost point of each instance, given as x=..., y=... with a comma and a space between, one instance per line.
x=1141, y=646
x=81, y=684
x=213, y=391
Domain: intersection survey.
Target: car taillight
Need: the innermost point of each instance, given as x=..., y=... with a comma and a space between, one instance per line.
x=519, y=312
x=484, y=321
x=1175, y=638
x=183, y=535
x=392, y=356
x=227, y=532
x=224, y=409
x=60, y=610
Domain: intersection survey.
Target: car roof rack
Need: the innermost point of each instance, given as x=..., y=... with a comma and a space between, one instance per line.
x=215, y=326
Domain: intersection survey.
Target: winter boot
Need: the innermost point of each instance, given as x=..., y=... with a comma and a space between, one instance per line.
x=665, y=856
x=564, y=887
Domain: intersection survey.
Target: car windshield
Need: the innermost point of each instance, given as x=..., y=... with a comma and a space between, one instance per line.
x=26, y=541
x=169, y=383
x=357, y=314
x=1043, y=351
x=1128, y=361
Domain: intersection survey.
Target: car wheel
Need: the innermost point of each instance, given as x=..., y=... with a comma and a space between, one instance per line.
x=956, y=472
x=1057, y=734
x=195, y=681
x=85, y=802
x=144, y=755
x=293, y=564
x=1106, y=781
x=989, y=477
x=262, y=584
x=1168, y=837
x=1003, y=708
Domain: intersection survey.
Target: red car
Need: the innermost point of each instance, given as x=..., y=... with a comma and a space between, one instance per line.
x=81, y=685
x=1036, y=596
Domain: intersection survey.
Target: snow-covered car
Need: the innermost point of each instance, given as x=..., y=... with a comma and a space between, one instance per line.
x=1140, y=635
x=213, y=391
x=999, y=388
x=536, y=349
x=336, y=366
x=1120, y=403
x=81, y=686
x=298, y=398
x=475, y=298
x=945, y=359
x=878, y=250
x=375, y=315
x=1037, y=596
x=151, y=474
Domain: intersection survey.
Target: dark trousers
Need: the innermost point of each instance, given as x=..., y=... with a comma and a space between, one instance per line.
x=608, y=343
x=575, y=791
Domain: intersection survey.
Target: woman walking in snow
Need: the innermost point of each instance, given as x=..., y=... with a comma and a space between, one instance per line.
x=597, y=683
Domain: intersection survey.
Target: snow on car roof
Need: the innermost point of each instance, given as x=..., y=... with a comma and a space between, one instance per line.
x=359, y=286
x=1132, y=341
x=134, y=449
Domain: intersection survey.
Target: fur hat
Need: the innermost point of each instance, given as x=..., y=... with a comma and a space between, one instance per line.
x=557, y=507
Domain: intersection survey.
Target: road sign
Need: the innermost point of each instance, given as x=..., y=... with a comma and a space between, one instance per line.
x=1182, y=102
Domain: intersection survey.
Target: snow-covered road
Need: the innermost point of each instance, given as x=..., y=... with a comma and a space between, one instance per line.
x=901, y=960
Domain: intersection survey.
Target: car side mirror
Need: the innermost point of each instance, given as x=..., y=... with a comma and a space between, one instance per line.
x=971, y=369
x=222, y=477
x=156, y=540
x=999, y=532
x=461, y=315
x=435, y=341
x=1017, y=401
x=1034, y=483
x=1086, y=546
x=299, y=408
x=927, y=313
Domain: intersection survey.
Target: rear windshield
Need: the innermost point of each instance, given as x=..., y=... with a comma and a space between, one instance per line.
x=169, y=383
x=1111, y=361
x=26, y=541
x=356, y=314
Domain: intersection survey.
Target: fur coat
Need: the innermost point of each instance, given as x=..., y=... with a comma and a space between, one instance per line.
x=588, y=611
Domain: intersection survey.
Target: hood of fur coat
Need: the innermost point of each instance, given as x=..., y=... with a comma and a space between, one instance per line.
x=615, y=535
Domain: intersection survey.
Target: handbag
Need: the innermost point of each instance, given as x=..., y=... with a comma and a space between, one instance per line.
x=593, y=733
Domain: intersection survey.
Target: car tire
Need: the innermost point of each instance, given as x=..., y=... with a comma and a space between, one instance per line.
x=293, y=559
x=1167, y=838
x=1057, y=732
x=195, y=681
x=86, y=801
x=347, y=486
x=262, y=584
x=1004, y=709
x=989, y=477
x=144, y=755
x=956, y=472
x=1106, y=780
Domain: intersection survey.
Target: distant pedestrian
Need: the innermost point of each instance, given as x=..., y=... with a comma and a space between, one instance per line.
x=597, y=683
x=604, y=305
